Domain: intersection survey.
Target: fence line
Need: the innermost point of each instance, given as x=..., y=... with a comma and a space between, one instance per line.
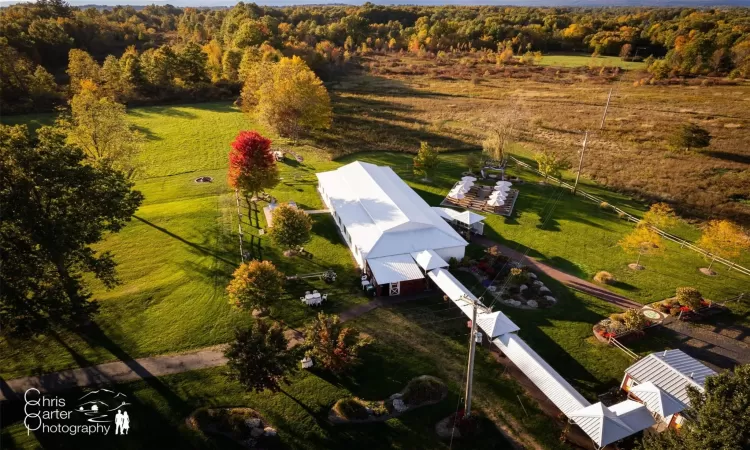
x=631, y=218
x=626, y=350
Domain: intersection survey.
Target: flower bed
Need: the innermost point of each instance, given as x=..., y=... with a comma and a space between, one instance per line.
x=420, y=391
x=630, y=323
x=514, y=286
x=242, y=425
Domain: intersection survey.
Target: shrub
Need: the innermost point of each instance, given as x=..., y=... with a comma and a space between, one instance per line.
x=617, y=317
x=423, y=389
x=452, y=262
x=604, y=277
x=604, y=205
x=690, y=297
x=622, y=215
x=351, y=408
x=634, y=320
x=674, y=311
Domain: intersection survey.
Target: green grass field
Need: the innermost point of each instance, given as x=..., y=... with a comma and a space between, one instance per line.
x=588, y=60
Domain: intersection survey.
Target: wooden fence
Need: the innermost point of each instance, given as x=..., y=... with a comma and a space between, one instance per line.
x=668, y=236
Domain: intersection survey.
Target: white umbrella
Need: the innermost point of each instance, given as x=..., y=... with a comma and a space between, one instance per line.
x=468, y=178
x=498, y=194
x=504, y=183
x=496, y=202
x=456, y=194
x=501, y=188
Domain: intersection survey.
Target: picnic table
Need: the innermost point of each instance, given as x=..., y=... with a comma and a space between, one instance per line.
x=313, y=299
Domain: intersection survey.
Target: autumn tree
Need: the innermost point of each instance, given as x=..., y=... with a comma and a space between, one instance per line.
x=549, y=164
x=641, y=241
x=81, y=67
x=252, y=166
x=293, y=99
x=724, y=239
x=625, y=51
x=717, y=417
x=426, y=161
x=689, y=296
x=689, y=136
x=291, y=226
x=99, y=127
x=662, y=216
x=54, y=210
x=259, y=358
x=255, y=285
x=334, y=346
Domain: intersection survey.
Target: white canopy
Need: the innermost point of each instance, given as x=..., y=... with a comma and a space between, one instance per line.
x=496, y=202
x=496, y=194
x=607, y=425
x=393, y=269
x=468, y=178
x=428, y=260
x=501, y=189
x=465, y=217
x=657, y=400
x=506, y=184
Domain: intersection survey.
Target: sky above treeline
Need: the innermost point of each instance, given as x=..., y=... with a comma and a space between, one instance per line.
x=581, y=3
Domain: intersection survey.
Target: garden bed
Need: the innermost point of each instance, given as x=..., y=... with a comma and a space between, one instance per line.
x=244, y=426
x=625, y=326
x=421, y=391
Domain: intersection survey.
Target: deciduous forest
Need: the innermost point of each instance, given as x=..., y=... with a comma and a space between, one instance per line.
x=159, y=54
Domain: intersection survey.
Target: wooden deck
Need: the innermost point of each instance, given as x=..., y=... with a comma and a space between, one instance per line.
x=476, y=200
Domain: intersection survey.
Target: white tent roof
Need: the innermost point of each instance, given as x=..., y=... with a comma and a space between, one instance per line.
x=493, y=324
x=504, y=183
x=428, y=259
x=382, y=214
x=607, y=425
x=672, y=371
x=395, y=268
x=496, y=202
x=554, y=386
x=656, y=400
x=467, y=217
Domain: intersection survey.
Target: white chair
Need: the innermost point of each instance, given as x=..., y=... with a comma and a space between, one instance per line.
x=364, y=277
x=315, y=291
x=307, y=292
x=302, y=298
x=324, y=297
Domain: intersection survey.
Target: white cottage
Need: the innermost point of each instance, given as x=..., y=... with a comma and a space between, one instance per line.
x=394, y=235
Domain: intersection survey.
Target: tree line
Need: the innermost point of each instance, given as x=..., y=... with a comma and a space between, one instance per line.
x=163, y=53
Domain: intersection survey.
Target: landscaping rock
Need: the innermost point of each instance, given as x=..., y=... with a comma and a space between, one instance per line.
x=531, y=275
x=550, y=298
x=515, y=303
x=268, y=431
x=252, y=423
x=522, y=288
x=538, y=283
x=532, y=304
x=395, y=396
x=544, y=289
x=256, y=432
x=399, y=405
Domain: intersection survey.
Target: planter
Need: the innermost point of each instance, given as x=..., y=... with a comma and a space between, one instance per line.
x=244, y=426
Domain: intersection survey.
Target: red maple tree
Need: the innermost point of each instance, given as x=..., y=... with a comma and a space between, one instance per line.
x=252, y=166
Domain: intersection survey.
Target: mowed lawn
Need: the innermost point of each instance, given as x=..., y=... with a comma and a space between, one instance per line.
x=177, y=254
x=580, y=60
x=576, y=235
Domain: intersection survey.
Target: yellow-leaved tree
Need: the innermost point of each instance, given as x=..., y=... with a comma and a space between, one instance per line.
x=642, y=241
x=724, y=239
x=292, y=99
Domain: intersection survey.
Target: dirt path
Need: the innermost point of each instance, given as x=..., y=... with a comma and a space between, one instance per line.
x=571, y=281
x=156, y=366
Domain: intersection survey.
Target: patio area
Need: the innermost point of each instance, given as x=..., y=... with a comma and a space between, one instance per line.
x=476, y=199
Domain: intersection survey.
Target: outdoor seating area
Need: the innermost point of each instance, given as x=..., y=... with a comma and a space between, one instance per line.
x=313, y=298
x=498, y=199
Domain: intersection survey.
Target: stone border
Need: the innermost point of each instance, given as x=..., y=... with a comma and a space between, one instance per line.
x=511, y=302
x=334, y=418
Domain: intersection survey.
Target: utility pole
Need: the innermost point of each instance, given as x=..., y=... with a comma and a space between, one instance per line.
x=606, y=107
x=470, y=370
x=580, y=161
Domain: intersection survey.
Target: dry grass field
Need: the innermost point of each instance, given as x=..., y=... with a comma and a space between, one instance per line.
x=452, y=103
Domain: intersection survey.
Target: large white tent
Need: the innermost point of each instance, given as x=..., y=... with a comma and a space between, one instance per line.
x=379, y=215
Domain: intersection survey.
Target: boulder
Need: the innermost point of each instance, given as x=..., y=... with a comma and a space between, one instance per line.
x=252, y=423
x=538, y=283
x=550, y=298
x=256, y=432
x=268, y=431
x=395, y=396
x=515, y=303
x=531, y=275
x=522, y=288
x=544, y=289
x=399, y=405
x=532, y=304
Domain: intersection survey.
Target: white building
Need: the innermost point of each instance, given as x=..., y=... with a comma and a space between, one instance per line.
x=387, y=226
